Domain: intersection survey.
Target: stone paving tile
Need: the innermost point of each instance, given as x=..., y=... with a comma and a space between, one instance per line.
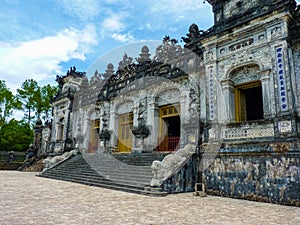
x=26, y=199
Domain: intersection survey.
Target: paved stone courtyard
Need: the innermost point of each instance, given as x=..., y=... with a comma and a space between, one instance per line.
x=28, y=199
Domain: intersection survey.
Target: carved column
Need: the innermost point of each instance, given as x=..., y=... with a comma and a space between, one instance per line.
x=135, y=123
x=153, y=122
x=265, y=84
x=113, y=125
x=87, y=134
x=184, y=116
x=229, y=101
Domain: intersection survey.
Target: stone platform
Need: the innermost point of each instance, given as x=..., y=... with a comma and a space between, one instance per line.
x=28, y=199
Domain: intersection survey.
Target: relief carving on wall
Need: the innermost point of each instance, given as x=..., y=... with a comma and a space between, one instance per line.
x=194, y=106
x=245, y=74
x=241, y=44
x=125, y=107
x=168, y=96
x=276, y=31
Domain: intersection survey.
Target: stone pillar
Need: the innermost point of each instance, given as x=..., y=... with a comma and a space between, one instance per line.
x=45, y=140
x=184, y=116
x=135, y=124
x=229, y=101
x=38, y=137
x=153, y=122
x=265, y=85
x=113, y=126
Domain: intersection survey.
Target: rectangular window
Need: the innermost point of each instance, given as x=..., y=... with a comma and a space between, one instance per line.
x=248, y=102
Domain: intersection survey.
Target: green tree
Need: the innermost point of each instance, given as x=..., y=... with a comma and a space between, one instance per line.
x=36, y=100
x=30, y=96
x=15, y=136
x=45, y=107
x=8, y=102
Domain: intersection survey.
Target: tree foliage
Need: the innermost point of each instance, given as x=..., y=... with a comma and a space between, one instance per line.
x=45, y=107
x=29, y=94
x=36, y=99
x=8, y=102
x=15, y=136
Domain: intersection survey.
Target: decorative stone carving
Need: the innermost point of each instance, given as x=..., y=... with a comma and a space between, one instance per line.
x=168, y=50
x=168, y=96
x=285, y=126
x=144, y=55
x=276, y=31
x=53, y=161
x=142, y=108
x=209, y=56
x=125, y=62
x=241, y=132
x=172, y=162
x=125, y=107
x=245, y=74
x=194, y=105
x=241, y=44
x=193, y=35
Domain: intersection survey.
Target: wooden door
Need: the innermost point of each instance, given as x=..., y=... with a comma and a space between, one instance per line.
x=125, y=132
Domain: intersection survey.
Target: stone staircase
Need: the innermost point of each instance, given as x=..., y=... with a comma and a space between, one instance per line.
x=142, y=159
x=107, y=171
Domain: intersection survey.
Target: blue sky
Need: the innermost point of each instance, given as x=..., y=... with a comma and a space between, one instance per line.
x=42, y=38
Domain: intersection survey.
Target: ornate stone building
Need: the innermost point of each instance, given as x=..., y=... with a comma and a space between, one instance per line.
x=61, y=138
x=233, y=91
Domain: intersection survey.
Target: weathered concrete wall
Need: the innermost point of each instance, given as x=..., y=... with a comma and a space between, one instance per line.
x=185, y=179
x=268, y=177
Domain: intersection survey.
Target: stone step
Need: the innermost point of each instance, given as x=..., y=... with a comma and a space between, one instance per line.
x=140, y=159
x=131, y=183
x=114, y=186
x=123, y=179
x=116, y=168
x=114, y=174
x=104, y=171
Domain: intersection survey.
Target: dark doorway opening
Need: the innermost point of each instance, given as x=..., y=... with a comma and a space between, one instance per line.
x=254, y=103
x=249, y=102
x=172, y=135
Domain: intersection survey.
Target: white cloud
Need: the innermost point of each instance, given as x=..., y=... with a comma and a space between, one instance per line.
x=122, y=37
x=113, y=23
x=40, y=59
x=175, y=6
x=87, y=9
x=112, y=26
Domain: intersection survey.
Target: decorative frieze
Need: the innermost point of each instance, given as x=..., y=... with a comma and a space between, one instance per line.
x=244, y=132
x=241, y=44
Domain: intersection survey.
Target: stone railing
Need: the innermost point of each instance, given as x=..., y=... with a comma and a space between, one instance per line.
x=176, y=173
x=51, y=162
